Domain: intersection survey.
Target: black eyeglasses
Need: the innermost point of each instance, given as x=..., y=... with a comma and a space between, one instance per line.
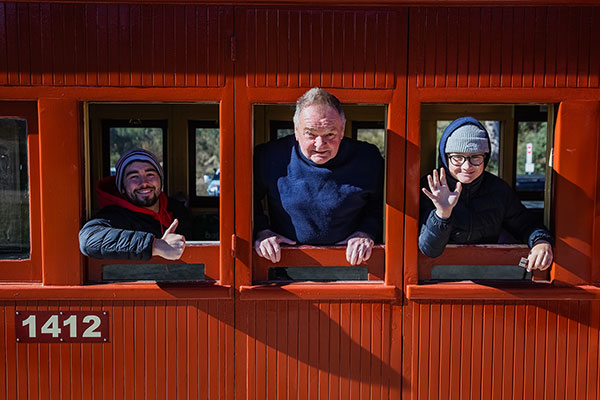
x=475, y=160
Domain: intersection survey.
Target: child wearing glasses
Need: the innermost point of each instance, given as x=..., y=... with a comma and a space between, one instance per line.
x=463, y=204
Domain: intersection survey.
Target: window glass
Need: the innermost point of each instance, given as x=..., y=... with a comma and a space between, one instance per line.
x=153, y=272
x=531, y=162
x=14, y=192
x=207, y=161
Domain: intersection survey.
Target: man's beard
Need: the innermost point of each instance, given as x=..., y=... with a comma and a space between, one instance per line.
x=145, y=202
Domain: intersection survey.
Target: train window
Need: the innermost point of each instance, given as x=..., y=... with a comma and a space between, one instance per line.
x=519, y=136
x=371, y=132
x=14, y=192
x=120, y=136
x=314, y=263
x=205, y=183
x=186, y=139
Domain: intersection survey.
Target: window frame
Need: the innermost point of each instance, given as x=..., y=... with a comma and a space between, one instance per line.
x=247, y=269
x=29, y=269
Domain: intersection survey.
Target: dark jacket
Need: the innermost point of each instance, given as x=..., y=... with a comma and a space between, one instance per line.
x=122, y=230
x=319, y=204
x=487, y=208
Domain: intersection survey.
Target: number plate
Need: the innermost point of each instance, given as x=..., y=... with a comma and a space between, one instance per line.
x=61, y=326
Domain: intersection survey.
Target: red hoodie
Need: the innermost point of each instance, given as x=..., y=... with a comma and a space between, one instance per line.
x=108, y=195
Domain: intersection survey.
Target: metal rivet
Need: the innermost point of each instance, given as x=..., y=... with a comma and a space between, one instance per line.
x=61, y=313
x=17, y=313
x=18, y=339
x=104, y=313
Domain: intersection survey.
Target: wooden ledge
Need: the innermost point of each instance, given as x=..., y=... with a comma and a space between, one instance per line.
x=118, y=291
x=320, y=291
x=530, y=291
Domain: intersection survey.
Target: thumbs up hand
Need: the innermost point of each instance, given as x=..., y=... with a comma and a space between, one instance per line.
x=171, y=245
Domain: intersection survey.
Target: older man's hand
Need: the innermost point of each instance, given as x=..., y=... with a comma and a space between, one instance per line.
x=359, y=247
x=267, y=245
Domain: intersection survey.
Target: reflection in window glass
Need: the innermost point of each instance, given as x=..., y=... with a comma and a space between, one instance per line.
x=533, y=134
x=283, y=132
x=374, y=136
x=493, y=129
x=14, y=191
x=208, y=174
x=123, y=139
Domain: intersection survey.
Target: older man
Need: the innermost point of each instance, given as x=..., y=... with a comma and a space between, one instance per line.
x=137, y=220
x=321, y=188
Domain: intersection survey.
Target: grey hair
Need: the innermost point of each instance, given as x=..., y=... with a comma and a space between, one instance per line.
x=318, y=96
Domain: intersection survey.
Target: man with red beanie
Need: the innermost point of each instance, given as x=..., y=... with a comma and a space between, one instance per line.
x=137, y=220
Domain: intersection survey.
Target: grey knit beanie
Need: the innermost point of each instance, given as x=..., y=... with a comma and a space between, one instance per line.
x=136, y=155
x=468, y=138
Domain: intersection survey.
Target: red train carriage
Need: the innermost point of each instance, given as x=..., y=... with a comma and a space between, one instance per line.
x=202, y=83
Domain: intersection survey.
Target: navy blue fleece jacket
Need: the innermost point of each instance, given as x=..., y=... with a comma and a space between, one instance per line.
x=319, y=204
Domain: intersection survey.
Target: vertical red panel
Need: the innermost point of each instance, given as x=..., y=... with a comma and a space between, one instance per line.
x=272, y=48
x=205, y=348
x=519, y=352
x=441, y=45
x=551, y=47
x=304, y=48
x=376, y=378
x=182, y=350
x=283, y=346
x=139, y=345
x=345, y=345
x=80, y=53
x=159, y=44
x=337, y=65
x=433, y=363
x=282, y=35
x=452, y=45
x=417, y=44
x=92, y=59
x=161, y=350
x=334, y=350
x=260, y=376
x=467, y=346
x=594, y=75
x=518, y=61
x=46, y=44
x=180, y=45
x=147, y=45
x=550, y=350
x=508, y=354
x=12, y=43
x=423, y=350
x=497, y=344
x=260, y=55
x=313, y=349
x=294, y=49
x=20, y=364
x=355, y=350
x=292, y=349
x=584, y=49
x=69, y=33
x=371, y=44
x=539, y=50
x=125, y=45
x=571, y=31
x=528, y=47
x=360, y=50
x=509, y=46
x=4, y=43
x=323, y=349
x=169, y=55
x=193, y=354
x=496, y=53
x=137, y=44
x=475, y=48
x=464, y=48
x=191, y=57
x=487, y=50
x=303, y=350
x=454, y=349
x=530, y=348
x=272, y=324
x=24, y=51
x=487, y=355
x=541, y=332
x=347, y=45
x=113, y=44
x=583, y=320
x=129, y=340
x=317, y=49
x=570, y=362
x=430, y=22
x=170, y=366
x=477, y=350
x=365, y=361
